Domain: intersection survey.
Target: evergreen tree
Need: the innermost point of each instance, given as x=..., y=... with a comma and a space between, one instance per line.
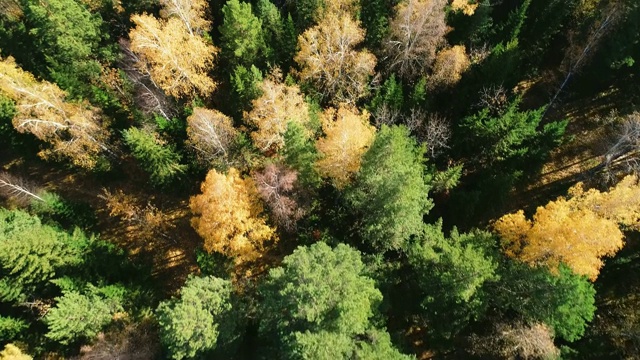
x=320, y=305
x=161, y=161
x=10, y=327
x=71, y=52
x=450, y=274
x=79, y=316
x=204, y=318
x=390, y=191
x=564, y=301
x=279, y=37
x=300, y=154
x=242, y=39
x=32, y=254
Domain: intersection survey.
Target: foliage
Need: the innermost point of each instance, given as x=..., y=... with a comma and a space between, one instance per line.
x=192, y=13
x=228, y=216
x=300, y=154
x=161, y=161
x=320, y=304
x=577, y=232
x=10, y=327
x=80, y=315
x=348, y=136
x=390, y=191
x=12, y=352
x=278, y=105
x=203, y=318
x=175, y=60
x=279, y=34
x=242, y=38
x=329, y=59
x=512, y=135
x=32, y=254
x=415, y=33
x=73, y=130
x=448, y=67
x=211, y=134
x=451, y=273
x=71, y=52
x=246, y=85
x=517, y=340
x=564, y=301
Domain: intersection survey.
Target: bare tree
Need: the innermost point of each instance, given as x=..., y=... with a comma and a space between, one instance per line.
x=517, y=341
x=276, y=187
x=385, y=115
x=494, y=98
x=21, y=191
x=623, y=152
x=416, y=32
x=133, y=342
x=433, y=130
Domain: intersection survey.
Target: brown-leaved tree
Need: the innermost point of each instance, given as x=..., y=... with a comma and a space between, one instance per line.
x=277, y=186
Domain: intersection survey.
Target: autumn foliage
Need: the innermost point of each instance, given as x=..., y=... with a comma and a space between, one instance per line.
x=210, y=133
x=278, y=105
x=330, y=60
x=177, y=60
x=277, y=186
x=578, y=231
x=228, y=215
x=348, y=136
x=73, y=130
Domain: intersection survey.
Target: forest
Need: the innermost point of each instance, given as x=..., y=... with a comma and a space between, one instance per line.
x=319, y=179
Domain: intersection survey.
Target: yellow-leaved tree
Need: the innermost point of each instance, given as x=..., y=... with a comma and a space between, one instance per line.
x=228, y=215
x=278, y=105
x=448, y=68
x=466, y=6
x=348, y=136
x=176, y=60
x=191, y=12
x=578, y=231
x=73, y=130
x=329, y=58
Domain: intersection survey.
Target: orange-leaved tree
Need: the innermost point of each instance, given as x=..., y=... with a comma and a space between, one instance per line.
x=176, y=60
x=578, y=231
x=348, y=136
x=73, y=130
x=330, y=60
x=228, y=215
x=278, y=105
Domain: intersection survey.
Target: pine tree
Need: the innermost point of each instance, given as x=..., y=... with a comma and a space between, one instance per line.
x=242, y=38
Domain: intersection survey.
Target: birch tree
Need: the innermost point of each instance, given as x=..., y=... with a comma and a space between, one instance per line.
x=72, y=130
x=210, y=133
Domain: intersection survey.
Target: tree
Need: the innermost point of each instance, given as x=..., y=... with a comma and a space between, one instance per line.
x=278, y=106
x=73, y=130
x=278, y=32
x=205, y=317
x=12, y=352
x=577, y=232
x=192, y=13
x=329, y=60
x=246, y=85
x=390, y=191
x=211, y=134
x=564, y=301
x=228, y=216
x=10, y=327
x=79, y=316
x=161, y=161
x=451, y=274
x=71, y=52
x=277, y=187
x=319, y=305
x=242, y=39
x=468, y=7
x=416, y=33
x=517, y=340
x=300, y=154
x=348, y=136
x=512, y=135
x=177, y=61
x=32, y=254
x=448, y=67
